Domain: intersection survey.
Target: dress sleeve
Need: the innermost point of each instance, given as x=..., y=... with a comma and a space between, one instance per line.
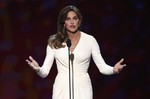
x=99, y=61
x=47, y=64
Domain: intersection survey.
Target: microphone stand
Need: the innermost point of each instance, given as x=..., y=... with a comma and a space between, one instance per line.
x=69, y=45
x=72, y=58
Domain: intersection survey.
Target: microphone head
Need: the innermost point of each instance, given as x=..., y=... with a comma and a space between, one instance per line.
x=71, y=56
x=68, y=43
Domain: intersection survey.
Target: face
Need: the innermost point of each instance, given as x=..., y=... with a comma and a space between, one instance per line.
x=72, y=22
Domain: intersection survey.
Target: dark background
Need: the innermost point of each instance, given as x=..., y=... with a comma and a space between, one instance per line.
x=121, y=27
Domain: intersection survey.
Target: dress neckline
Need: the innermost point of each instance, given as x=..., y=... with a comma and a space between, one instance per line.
x=77, y=43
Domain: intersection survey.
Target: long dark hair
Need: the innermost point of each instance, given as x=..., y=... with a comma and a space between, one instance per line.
x=55, y=41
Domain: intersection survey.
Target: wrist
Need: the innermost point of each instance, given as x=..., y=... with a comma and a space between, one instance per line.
x=38, y=69
x=115, y=71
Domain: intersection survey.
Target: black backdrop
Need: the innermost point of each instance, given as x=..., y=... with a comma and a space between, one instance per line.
x=121, y=28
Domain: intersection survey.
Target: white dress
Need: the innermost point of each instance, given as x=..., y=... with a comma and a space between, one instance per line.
x=86, y=47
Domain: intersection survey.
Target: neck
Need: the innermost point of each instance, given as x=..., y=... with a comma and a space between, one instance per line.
x=74, y=35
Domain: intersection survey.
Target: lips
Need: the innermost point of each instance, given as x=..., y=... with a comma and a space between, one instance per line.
x=72, y=26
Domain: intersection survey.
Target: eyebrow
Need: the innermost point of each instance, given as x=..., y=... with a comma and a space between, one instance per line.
x=73, y=16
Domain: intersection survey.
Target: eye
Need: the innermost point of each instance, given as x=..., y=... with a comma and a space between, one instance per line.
x=67, y=18
x=75, y=18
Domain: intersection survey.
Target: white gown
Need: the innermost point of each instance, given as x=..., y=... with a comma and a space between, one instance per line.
x=86, y=47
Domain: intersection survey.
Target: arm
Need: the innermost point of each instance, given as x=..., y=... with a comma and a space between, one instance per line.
x=43, y=71
x=100, y=63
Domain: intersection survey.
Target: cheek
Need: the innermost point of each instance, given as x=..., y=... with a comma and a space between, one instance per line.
x=66, y=24
x=78, y=23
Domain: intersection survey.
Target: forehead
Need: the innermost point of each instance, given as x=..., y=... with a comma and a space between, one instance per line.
x=71, y=14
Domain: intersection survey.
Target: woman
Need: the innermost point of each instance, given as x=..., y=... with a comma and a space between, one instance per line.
x=83, y=46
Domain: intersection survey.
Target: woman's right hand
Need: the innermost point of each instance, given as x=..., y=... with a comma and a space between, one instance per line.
x=32, y=63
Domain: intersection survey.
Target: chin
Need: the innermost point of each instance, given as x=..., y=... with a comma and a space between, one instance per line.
x=73, y=31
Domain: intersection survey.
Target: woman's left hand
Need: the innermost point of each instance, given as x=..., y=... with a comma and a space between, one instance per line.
x=119, y=66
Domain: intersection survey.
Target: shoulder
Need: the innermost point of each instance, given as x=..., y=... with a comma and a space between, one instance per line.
x=87, y=36
x=51, y=40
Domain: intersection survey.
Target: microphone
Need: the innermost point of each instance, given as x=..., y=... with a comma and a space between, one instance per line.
x=71, y=56
x=69, y=43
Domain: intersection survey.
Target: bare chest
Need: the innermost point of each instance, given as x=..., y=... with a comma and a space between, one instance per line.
x=74, y=44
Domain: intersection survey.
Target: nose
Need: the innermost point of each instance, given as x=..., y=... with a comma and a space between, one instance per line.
x=71, y=21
